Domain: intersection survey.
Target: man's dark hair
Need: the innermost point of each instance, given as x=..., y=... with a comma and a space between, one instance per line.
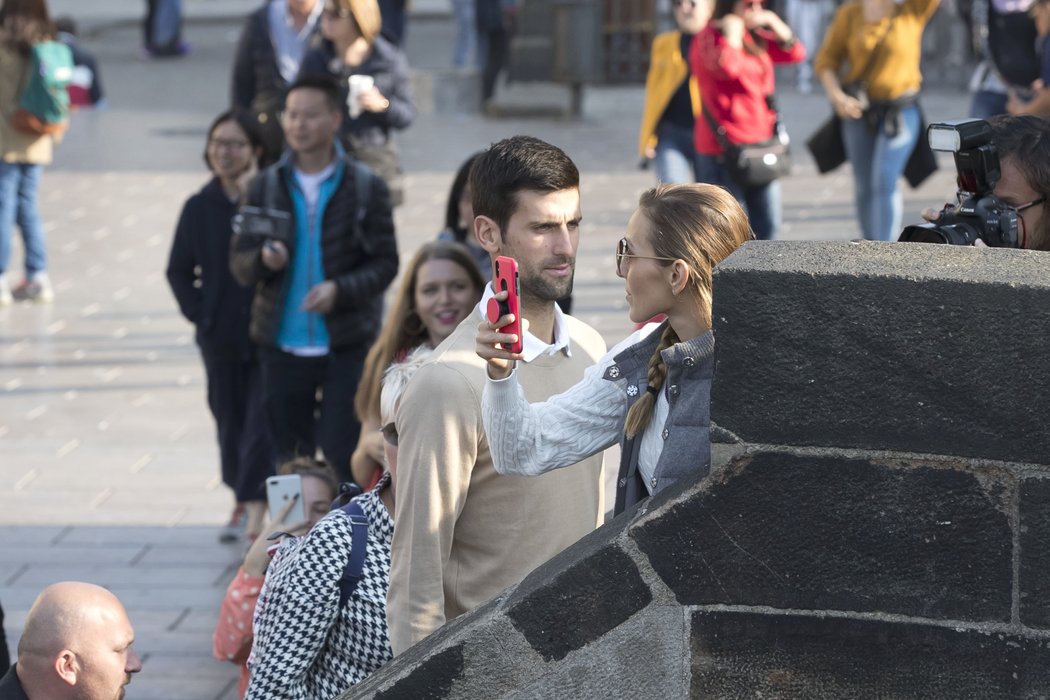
x=323, y=83
x=1025, y=141
x=515, y=164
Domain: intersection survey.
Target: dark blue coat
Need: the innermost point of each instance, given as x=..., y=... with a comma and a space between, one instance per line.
x=199, y=275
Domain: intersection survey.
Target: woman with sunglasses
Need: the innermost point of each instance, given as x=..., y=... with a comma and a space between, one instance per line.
x=672, y=97
x=374, y=82
x=732, y=59
x=651, y=392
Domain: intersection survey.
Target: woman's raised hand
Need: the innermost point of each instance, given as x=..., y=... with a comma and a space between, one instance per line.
x=489, y=339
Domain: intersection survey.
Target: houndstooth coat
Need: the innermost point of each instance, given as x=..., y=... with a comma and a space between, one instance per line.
x=306, y=647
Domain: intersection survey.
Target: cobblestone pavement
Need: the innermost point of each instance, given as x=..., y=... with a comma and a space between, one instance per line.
x=108, y=468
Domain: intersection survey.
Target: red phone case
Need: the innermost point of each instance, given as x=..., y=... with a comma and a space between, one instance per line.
x=505, y=276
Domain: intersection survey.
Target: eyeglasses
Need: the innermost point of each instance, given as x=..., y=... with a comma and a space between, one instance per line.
x=1024, y=226
x=335, y=12
x=621, y=253
x=1031, y=204
x=389, y=432
x=231, y=144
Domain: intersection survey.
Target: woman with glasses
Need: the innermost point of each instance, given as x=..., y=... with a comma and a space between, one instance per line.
x=199, y=276
x=869, y=67
x=732, y=59
x=651, y=391
x=672, y=97
x=374, y=82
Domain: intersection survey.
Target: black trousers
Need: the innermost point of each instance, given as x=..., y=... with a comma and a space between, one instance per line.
x=5, y=655
x=310, y=404
x=497, y=53
x=235, y=397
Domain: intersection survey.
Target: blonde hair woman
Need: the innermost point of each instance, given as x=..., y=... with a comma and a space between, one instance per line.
x=651, y=391
x=440, y=287
x=374, y=83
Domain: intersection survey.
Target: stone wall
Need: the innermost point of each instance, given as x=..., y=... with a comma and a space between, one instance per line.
x=876, y=525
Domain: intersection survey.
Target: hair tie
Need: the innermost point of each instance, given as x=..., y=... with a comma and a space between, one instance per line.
x=652, y=390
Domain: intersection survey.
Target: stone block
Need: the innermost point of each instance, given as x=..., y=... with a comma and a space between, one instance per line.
x=752, y=654
x=905, y=347
x=645, y=657
x=431, y=678
x=1034, y=577
x=825, y=532
x=581, y=603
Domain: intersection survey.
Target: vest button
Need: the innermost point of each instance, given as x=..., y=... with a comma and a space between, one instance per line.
x=666, y=433
x=673, y=390
x=689, y=362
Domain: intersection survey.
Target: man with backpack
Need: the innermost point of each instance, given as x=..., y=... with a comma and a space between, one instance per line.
x=34, y=110
x=316, y=240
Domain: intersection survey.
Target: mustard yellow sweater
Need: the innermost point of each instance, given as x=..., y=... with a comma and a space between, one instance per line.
x=851, y=40
x=667, y=70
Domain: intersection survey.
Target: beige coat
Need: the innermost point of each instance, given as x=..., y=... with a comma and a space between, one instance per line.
x=15, y=146
x=462, y=532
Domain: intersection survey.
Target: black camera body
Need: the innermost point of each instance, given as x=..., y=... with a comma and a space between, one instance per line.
x=259, y=222
x=979, y=214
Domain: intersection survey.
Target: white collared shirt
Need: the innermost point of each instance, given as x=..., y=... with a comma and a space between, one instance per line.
x=532, y=347
x=290, y=45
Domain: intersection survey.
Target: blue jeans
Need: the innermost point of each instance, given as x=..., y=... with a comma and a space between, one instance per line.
x=987, y=104
x=18, y=204
x=466, y=33
x=165, y=24
x=762, y=204
x=675, y=155
x=878, y=161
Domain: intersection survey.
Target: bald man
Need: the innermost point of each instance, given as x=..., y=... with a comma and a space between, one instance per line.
x=76, y=645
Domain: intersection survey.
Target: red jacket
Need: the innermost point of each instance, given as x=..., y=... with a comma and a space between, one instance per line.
x=734, y=85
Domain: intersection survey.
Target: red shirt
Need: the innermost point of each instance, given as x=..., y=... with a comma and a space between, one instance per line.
x=733, y=86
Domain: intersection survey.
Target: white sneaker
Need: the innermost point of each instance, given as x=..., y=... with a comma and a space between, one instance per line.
x=5, y=291
x=38, y=289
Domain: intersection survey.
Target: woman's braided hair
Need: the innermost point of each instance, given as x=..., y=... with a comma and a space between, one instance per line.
x=700, y=225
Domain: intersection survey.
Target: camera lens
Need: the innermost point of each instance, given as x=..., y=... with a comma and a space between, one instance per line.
x=960, y=233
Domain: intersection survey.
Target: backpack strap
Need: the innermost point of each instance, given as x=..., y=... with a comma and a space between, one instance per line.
x=270, y=188
x=358, y=548
x=362, y=193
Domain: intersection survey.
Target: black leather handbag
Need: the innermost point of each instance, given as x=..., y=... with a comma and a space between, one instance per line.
x=754, y=164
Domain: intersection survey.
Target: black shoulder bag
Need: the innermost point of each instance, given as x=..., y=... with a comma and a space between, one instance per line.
x=825, y=144
x=753, y=164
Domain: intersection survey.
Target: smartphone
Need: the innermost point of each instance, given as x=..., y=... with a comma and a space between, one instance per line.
x=505, y=278
x=280, y=490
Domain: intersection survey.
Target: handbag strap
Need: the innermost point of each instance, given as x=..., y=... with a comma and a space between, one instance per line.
x=720, y=131
x=870, y=63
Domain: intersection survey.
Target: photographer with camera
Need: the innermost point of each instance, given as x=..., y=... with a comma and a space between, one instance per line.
x=1004, y=181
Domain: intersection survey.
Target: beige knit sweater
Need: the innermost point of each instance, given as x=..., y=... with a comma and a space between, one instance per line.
x=463, y=532
x=15, y=146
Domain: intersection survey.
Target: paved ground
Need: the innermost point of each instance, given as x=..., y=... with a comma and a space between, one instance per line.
x=107, y=463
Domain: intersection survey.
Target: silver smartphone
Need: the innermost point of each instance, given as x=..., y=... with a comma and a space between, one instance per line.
x=280, y=490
